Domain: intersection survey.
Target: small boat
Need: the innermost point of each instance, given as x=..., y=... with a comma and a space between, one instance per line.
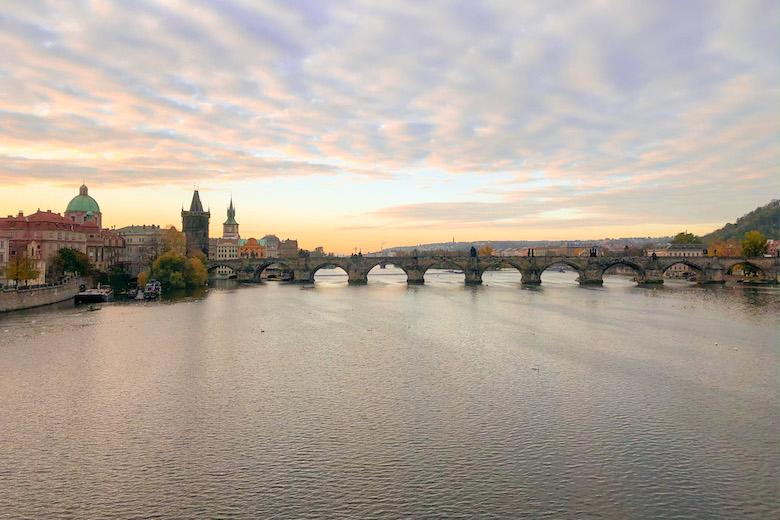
x=287, y=276
x=152, y=290
x=132, y=293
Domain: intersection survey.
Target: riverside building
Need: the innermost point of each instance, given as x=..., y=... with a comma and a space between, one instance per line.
x=41, y=235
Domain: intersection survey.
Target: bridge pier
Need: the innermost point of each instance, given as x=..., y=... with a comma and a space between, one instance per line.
x=651, y=277
x=713, y=275
x=414, y=276
x=592, y=275
x=357, y=278
x=303, y=276
x=531, y=277
x=473, y=276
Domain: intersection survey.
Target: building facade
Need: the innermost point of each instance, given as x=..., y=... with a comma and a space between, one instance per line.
x=288, y=248
x=223, y=249
x=142, y=245
x=104, y=246
x=772, y=247
x=251, y=248
x=684, y=250
x=195, y=224
x=3, y=256
x=271, y=244
x=41, y=235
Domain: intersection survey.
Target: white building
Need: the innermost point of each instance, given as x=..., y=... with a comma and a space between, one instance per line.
x=142, y=245
x=679, y=250
x=271, y=244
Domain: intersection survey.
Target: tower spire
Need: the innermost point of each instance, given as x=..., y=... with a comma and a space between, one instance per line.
x=230, y=226
x=196, y=205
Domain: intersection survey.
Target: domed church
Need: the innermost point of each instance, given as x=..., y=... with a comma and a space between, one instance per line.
x=83, y=209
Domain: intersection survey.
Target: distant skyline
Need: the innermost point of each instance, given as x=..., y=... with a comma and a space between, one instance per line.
x=352, y=124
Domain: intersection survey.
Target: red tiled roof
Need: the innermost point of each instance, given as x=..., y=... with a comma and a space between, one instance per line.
x=48, y=216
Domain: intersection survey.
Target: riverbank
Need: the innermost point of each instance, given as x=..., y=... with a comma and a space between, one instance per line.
x=15, y=300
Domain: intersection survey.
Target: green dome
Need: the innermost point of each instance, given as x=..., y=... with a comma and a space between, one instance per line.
x=83, y=202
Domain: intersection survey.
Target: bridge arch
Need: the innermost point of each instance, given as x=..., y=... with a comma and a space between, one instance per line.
x=329, y=264
x=495, y=264
x=560, y=262
x=747, y=267
x=699, y=270
x=533, y=275
x=375, y=269
x=442, y=263
x=262, y=266
x=638, y=269
x=226, y=265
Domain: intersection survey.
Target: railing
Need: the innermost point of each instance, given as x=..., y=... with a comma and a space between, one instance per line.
x=65, y=281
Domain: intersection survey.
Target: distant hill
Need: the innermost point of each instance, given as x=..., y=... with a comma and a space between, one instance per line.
x=502, y=245
x=765, y=219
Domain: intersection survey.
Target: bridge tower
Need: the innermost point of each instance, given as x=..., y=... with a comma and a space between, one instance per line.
x=230, y=226
x=195, y=224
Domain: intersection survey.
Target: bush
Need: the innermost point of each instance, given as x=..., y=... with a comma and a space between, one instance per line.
x=176, y=271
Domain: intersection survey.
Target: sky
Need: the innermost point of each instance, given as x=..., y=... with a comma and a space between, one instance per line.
x=362, y=124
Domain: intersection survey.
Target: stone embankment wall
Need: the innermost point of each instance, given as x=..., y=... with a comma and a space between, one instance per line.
x=28, y=298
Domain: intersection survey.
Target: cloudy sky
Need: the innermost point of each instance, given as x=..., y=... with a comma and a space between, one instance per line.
x=353, y=123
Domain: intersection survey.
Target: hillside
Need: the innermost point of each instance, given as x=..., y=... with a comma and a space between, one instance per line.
x=765, y=219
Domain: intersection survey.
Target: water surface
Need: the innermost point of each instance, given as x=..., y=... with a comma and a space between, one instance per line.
x=388, y=401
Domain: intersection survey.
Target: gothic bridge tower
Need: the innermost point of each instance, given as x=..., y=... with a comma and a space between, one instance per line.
x=230, y=226
x=195, y=224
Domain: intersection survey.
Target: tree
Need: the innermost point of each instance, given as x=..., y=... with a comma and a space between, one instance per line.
x=173, y=240
x=67, y=260
x=485, y=250
x=21, y=268
x=684, y=237
x=176, y=271
x=724, y=248
x=754, y=244
x=117, y=278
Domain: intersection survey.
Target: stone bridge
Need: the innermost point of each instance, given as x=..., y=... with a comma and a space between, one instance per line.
x=648, y=270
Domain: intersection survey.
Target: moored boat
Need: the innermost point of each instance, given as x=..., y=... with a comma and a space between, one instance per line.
x=152, y=290
x=97, y=295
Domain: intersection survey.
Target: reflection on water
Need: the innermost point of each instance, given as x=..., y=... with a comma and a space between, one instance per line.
x=388, y=401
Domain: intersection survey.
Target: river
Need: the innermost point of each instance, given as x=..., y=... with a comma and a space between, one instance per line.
x=387, y=401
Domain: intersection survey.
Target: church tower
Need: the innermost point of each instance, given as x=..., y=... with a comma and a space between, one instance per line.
x=230, y=226
x=195, y=224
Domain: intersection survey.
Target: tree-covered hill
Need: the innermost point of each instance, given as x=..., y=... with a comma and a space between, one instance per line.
x=765, y=219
